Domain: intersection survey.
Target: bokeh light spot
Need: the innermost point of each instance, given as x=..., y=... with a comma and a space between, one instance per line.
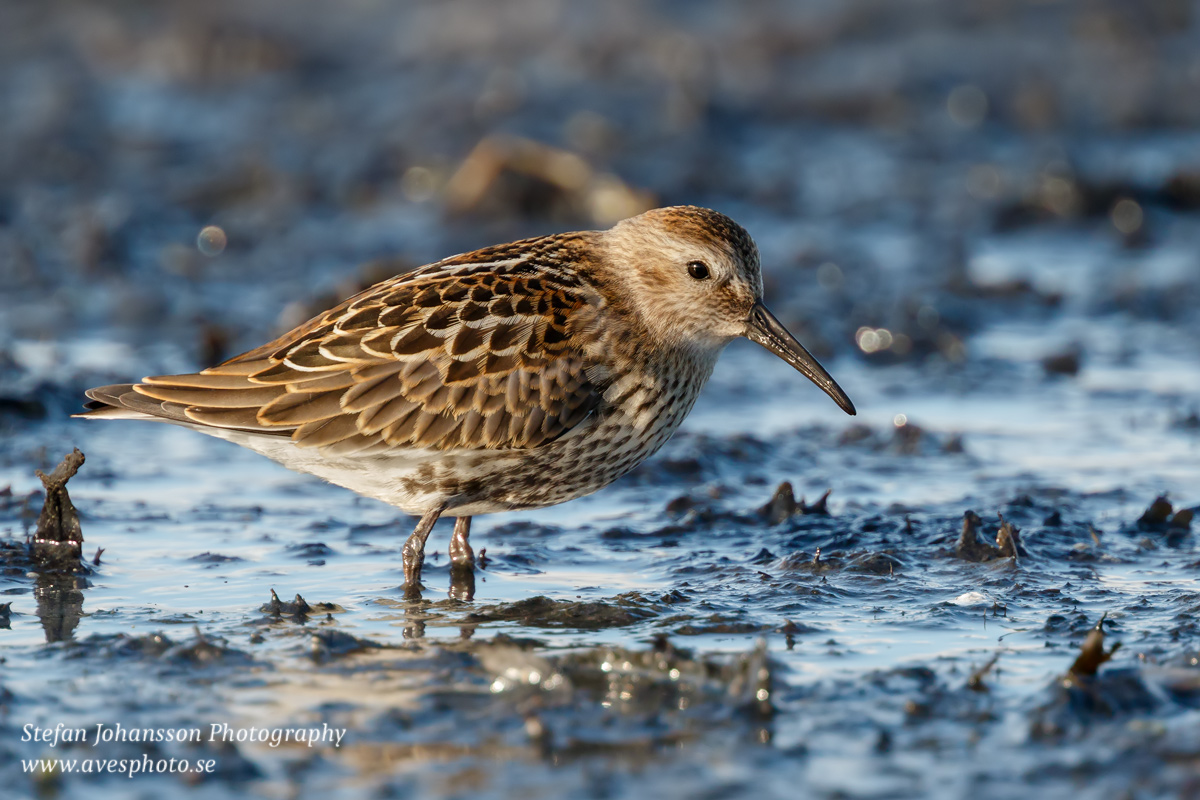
x=1126, y=216
x=418, y=184
x=211, y=241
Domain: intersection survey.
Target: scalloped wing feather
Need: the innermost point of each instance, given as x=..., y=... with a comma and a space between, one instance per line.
x=460, y=355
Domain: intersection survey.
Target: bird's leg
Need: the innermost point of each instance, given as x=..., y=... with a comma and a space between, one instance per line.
x=462, y=562
x=414, y=549
x=461, y=554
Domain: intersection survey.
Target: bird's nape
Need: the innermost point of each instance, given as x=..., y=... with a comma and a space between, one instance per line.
x=763, y=328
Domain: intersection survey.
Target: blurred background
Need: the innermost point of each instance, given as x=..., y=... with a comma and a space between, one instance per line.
x=913, y=168
x=982, y=217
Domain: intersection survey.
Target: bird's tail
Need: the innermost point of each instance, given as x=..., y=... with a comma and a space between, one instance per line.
x=120, y=401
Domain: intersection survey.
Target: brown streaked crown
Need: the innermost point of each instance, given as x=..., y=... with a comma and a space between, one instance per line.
x=704, y=224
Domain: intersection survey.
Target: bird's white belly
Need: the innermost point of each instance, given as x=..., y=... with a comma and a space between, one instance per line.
x=417, y=481
x=387, y=477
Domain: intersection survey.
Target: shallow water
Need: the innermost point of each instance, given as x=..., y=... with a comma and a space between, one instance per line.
x=665, y=635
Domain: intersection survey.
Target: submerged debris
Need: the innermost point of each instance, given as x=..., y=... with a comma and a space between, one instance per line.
x=298, y=608
x=506, y=174
x=783, y=505
x=543, y=612
x=202, y=651
x=975, y=682
x=719, y=623
x=10, y=500
x=906, y=439
x=793, y=628
x=817, y=563
x=1083, y=695
x=1066, y=362
x=648, y=681
x=327, y=644
x=970, y=548
x=1092, y=653
x=1162, y=515
x=874, y=563
x=1008, y=539
x=58, y=543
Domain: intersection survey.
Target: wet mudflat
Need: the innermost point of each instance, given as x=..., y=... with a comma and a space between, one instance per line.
x=983, y=221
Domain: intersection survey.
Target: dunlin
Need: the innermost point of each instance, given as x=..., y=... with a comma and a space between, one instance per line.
x=516, y=376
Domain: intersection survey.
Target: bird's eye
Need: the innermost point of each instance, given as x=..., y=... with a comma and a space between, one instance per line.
x=698, y=270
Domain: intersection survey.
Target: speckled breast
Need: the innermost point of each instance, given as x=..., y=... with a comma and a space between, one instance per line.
x=642, y=408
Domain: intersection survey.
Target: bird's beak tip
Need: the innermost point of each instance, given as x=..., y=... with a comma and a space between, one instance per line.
x=762, y=328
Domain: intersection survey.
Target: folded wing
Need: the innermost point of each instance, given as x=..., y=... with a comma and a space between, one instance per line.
x=487, y=356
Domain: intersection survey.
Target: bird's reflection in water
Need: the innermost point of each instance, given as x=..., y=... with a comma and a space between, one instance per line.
x=462, y=583
x=417, y=610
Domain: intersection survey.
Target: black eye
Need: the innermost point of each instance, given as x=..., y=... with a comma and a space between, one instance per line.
x=698, y=270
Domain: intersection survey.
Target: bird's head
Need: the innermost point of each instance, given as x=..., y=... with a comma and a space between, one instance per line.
x=694, y=279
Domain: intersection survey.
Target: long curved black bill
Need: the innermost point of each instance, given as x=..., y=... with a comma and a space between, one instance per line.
x=764, y=329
